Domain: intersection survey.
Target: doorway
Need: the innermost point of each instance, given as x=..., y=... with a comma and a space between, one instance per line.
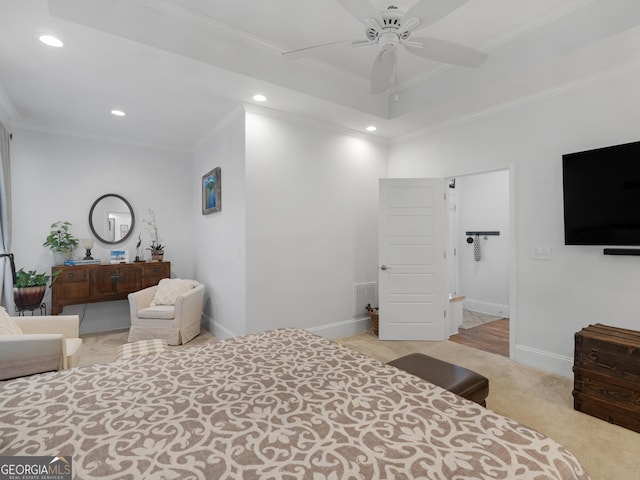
x=479, y=245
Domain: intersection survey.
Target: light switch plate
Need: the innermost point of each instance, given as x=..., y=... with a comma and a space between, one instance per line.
x=541, y=253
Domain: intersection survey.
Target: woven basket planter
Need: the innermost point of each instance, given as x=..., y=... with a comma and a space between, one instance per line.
x=373, y=314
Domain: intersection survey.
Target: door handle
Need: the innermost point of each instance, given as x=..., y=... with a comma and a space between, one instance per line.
x=383, y=267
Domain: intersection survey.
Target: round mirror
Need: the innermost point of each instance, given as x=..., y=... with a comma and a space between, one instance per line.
x=111, y=219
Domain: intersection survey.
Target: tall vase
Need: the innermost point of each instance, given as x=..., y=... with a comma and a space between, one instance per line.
x=60, y=257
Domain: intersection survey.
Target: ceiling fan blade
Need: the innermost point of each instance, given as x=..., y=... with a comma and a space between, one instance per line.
x=360, y=9
x=382, y=71
x=363, y=43
x=300, y=51
x=446, y=52
x=430, y=11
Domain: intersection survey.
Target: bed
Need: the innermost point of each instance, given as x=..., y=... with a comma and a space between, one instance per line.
x=282, y=404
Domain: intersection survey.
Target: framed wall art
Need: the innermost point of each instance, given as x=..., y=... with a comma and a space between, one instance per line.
x=211, y=199
x=119, y=256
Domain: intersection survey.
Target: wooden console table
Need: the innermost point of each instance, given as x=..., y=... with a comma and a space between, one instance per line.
x=103, y=282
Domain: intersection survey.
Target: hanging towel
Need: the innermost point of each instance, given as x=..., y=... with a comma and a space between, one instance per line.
x=476, y=248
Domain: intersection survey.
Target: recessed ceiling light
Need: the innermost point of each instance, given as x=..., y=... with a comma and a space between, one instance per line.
x=371, y=128
x=259, y=98
x=118, y=113
x=51, y=41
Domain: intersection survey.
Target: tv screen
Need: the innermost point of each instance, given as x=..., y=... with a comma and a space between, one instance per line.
x=602, y=196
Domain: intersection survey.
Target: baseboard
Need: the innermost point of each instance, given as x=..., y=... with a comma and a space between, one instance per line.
x=550, y=362
x=216, y=329
x=489, y=308
x=342, y=329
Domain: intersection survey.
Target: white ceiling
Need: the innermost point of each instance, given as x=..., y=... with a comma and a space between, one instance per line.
x=179, y=67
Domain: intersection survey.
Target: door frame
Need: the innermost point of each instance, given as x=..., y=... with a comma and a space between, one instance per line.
x=513, y=247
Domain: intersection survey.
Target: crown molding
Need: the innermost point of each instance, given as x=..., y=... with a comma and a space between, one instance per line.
x=96, y=137
x=237, y=34
x=551, y=92
x=314, y=123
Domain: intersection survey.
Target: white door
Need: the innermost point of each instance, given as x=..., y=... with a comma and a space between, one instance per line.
x=452, y=241
x=412, y=266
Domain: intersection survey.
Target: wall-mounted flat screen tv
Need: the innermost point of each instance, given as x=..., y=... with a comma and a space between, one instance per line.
x=602, y=196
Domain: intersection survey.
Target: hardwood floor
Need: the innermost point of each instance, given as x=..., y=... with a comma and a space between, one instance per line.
x=491, y=337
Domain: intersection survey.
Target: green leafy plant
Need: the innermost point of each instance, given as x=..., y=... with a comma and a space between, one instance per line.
x=59, y=239
x=30, y=278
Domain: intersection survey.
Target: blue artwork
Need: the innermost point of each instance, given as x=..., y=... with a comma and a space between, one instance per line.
x=211, y=191
x=210, y=185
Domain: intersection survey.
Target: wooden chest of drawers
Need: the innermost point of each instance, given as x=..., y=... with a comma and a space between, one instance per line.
x=101, y=283
x=607, y=374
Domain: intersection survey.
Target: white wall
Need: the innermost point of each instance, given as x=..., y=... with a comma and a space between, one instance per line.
x=297, y=229
x=220, y=238
x=56, y=177
x=483, y=205
x=578, y=286
x=312, y=217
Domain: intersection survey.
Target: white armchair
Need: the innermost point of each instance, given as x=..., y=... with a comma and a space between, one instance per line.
x=170, y=311
x=46, y=343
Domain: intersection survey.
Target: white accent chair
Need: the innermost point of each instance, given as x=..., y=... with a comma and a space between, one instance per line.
x=40, y=344
x=170, y=311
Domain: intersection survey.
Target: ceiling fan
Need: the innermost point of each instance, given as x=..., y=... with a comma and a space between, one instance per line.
x=393, y=25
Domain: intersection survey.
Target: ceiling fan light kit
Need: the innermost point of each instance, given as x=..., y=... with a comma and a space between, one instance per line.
x=393, y=25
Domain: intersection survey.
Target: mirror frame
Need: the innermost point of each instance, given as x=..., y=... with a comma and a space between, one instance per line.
x=133, y=219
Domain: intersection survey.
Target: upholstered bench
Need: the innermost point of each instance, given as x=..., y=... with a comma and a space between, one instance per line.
x=142, y=347
x=456, y=379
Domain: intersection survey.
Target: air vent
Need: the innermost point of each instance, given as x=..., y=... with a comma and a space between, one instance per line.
x=363, y=294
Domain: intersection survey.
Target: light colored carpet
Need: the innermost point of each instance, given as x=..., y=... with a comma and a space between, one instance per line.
x=101, y=347
x=538, y=399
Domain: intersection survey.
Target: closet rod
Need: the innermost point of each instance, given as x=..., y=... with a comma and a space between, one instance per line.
x=482, y=233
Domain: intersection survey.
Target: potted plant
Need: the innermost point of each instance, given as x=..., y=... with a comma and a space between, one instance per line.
x=156, y=249
x=61, y=242
x=29, y=288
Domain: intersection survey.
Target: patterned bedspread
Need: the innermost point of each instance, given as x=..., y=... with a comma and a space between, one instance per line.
x=283, y=404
